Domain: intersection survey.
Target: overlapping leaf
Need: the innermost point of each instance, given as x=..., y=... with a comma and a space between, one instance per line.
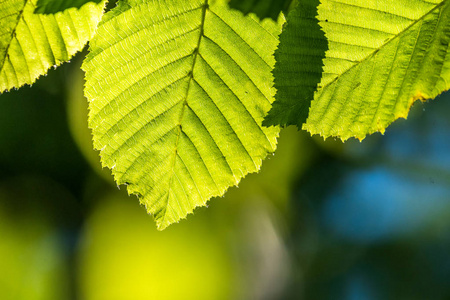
x=30, y=44
x=298, y=67
x=54, y=6
x=178, y=90
x=383, y=55
x=262, y=8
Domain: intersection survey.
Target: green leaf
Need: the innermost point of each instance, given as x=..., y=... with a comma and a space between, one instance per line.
x=298, y=67
x=30, y=44
x=54, y=6
x=178, y=90
x=262, y=8
x=383, y=55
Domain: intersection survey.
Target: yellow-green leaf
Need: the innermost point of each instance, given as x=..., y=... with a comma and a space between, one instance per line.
x=383, y=55
x=177, y=92
x=31, y=43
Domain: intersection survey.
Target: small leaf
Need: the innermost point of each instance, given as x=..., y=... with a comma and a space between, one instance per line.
x=30, y=44
x=382, y=57
x=177, y=92
x=54, y=6
x=298, y=67
x=262, y=8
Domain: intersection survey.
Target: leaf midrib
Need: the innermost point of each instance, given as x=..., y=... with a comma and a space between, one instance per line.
x=184, y=104
x=384, y=45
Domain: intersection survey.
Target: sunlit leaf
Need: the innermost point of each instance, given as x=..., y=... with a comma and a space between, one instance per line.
x=178, y=91
x=32, y=43
x=383, y=55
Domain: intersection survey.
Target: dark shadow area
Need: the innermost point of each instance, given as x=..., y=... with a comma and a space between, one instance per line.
x=53, y=7
x=262, y=8
x=298, y=67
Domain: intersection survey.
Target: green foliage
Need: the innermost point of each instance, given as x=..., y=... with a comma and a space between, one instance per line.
x=178, y=91
x=298, y=67
x=30, y=44
x=262, y=8
x=54, y=6
x=383, y=56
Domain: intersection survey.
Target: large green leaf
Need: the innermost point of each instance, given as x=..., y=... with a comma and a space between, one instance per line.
x=262, y=8
x=178, y=90
x=30, y=44
x=54, y=6
x=383, y=55
x=298, y=67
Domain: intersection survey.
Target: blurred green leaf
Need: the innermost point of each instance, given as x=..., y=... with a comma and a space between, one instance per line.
x=123, y=256
x=32, y=260
x=77, y=117
x=177, y=100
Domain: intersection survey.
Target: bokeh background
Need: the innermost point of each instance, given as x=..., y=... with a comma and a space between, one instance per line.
x=322, y=219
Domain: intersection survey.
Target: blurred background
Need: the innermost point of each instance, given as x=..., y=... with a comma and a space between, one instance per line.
x=322, y=219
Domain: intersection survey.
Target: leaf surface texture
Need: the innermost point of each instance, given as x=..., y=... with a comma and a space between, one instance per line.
x=30, y=44
x=383, y=55
x=177, y=92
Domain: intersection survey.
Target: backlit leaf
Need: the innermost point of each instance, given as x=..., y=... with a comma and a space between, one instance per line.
x=31, y=43
x=178, y=90
x=383, y=55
